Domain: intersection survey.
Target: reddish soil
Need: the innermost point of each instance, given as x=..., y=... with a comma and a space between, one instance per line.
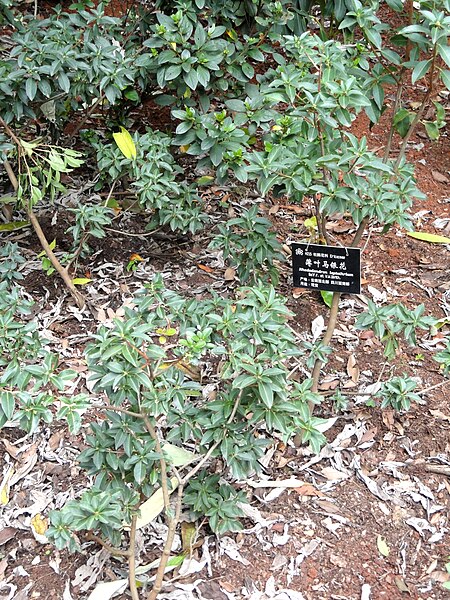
x=321, y=541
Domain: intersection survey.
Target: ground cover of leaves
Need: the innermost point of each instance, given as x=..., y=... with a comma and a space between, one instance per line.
x=366, y=519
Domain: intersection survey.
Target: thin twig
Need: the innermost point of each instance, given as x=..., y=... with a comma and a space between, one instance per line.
x=80, y=124
x=421, y=110
x=132, y=559
x=162, y=461
x=173, y=522
x=114, y=551
x=332, y=319
x=78, y=297
x=433, y=387
x=398, y=97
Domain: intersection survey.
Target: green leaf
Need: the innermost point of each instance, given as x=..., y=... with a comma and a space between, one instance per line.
x=179, y=457
x=445, y=76
x=125, y=143
x=248, y=70
x=205, y=179
x=420, y=70
x=428, y=237
x=444, y=52
x=52, y=246
x=432, y=129
x=31, y=88
x=266, y=392
x=310, y=223
x=327, y=297
x=14, y=225
x=132, y=95
x=191, y=79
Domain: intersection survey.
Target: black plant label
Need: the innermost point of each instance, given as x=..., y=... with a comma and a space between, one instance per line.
x=327, y=268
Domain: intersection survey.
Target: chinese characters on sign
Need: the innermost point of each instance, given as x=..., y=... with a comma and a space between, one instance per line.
x=328, y=268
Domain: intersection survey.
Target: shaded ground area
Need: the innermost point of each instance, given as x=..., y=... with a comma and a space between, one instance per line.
x=367, y=518
x=370, y=512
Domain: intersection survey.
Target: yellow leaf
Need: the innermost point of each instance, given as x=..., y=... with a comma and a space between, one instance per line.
x=383, y=548
x=81, y=281
x=52, y=246
x=151, y=508
x=188, y=535
x=184, y=149
x=39, y=524
x=125, y=143
x=311, y=223
x=5, y=487
x=429, y=237
x=173, y=46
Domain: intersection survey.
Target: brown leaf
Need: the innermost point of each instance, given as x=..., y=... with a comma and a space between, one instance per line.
x=440, y=415
x=328, y=507
x=309, y=490
x=294, y=208
x=440, y=576
x=3, y=567
x=205, y=268
x=326, y=386
x=6, y=534
x=439, y=177
x=388, y=418
x=333, y=474
x=402, y=585
x=297, y=292
x=352, y=368
x=12, y=450
x=229, y=274
x=368, y=436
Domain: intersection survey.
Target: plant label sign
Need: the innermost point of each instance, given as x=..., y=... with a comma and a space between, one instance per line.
x=327, y=268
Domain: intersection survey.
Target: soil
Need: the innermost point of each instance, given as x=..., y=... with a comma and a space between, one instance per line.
x=372, y=513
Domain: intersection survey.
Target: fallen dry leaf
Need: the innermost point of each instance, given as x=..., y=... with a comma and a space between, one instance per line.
x=327, y=506
x=388, y=418
x=205, y=268
x=229, y=274
x=297, y=292
x=39, y=524
x=309, y=490
x=439, y=177
x=326, y=386
x=440, y=576
x=338, y=561
x=333, y=474
x=383, y=548
x=401, y=585
x=440, y=415
x=6, y=534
